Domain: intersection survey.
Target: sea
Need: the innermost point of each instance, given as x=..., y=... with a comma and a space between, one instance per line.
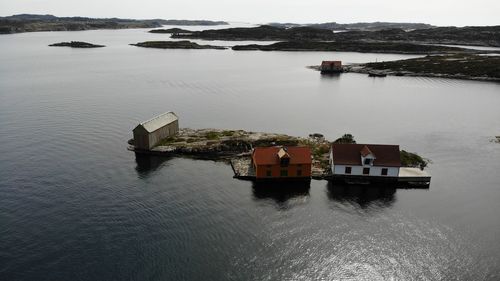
x=75, y=204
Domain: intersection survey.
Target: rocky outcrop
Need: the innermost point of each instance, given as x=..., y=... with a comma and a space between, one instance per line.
x=176, y=45
x=76, y=44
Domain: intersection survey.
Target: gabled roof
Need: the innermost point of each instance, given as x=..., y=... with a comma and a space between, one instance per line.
x=350, y=154
x=365, y=151
x=269, y=155
x=159, y=121
x=282, y=153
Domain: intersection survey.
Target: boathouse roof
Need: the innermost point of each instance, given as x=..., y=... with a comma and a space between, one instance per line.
x=350, y=154
x=270, y=155
x=159, y=121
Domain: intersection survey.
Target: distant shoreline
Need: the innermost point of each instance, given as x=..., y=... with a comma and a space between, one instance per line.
x=39, y=23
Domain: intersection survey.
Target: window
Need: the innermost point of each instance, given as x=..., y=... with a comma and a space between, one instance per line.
x=368, y=161
x=284, y=173
x=269, y=173
x=366, y=171
x=284, y=162
x=384, y=171
x=299, y=173
x=348, y=170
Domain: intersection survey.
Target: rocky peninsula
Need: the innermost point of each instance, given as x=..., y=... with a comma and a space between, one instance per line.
x=76, y=44
x=176, y=45
x=457, y=66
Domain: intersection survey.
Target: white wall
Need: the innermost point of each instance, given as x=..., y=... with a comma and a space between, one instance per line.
x=358, y=170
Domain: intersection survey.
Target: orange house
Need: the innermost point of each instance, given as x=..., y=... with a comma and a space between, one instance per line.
x=279, y=162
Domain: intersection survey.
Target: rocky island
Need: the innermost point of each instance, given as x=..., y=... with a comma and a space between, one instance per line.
x=471, y=35
x=176, y=45
x=170, y=30
x=355, y=46
x=458, y=66
x=76, y=44
x=227, y=145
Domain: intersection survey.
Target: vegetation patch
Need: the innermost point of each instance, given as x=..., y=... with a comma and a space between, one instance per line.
x=409, y=159
x=212, y=135
x=346, y=138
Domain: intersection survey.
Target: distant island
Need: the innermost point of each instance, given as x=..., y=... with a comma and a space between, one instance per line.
x=176, y=45
x=76, y=44
x=355, y=46
x=170, y=30
x=478, y=35
x=33, y=23
x=363, y=26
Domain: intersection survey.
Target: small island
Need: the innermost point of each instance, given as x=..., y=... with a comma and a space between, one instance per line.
x=250, y=152
x=236, y=146
x=176, y=45
x=170, y=30
x=76, y=44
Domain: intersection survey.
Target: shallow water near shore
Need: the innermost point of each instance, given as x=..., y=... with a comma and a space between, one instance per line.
x=75, y=204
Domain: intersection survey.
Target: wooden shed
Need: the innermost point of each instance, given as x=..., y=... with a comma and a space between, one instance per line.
x=149, y=133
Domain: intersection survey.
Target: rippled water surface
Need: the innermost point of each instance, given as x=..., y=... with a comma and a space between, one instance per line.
x=76, y=205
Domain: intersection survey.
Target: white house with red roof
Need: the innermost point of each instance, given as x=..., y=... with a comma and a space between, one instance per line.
x=375, y=161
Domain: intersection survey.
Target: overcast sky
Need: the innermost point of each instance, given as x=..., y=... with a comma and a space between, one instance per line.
x=437, y=12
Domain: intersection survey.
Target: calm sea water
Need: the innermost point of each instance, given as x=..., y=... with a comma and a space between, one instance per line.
x=76, y=205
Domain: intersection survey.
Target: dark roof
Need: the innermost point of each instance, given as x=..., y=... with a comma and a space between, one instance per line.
x=350, y=154
x=269, y=155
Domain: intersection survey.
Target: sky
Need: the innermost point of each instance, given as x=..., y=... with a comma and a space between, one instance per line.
x=436, y=12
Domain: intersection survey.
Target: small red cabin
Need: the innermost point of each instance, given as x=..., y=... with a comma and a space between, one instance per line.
x=331, y=66
x=280, y=162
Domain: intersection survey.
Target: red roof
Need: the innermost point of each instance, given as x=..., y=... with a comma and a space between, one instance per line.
x=350, y=154
x=332, y=62
x=365, y=151
x=269, y=155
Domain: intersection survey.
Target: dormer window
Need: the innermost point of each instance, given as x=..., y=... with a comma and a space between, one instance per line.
x=367, y=156
x=284, y=157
